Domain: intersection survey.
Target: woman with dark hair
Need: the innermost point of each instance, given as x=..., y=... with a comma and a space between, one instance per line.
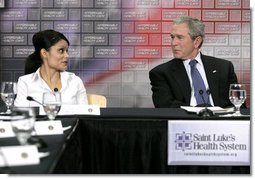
x=45, y=70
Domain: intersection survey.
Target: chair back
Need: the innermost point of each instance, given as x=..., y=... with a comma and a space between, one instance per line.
x=97, y=100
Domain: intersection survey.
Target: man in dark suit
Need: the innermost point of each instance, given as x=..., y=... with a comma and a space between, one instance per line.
x=172, y=84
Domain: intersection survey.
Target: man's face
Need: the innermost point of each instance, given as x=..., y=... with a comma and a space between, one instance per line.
x=183, y=46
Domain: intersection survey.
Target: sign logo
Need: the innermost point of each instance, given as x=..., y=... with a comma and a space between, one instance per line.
x=183, y=141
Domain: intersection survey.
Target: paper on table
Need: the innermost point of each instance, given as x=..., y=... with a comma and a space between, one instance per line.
x=215, y=109
x=43, y=154
x=19, y=155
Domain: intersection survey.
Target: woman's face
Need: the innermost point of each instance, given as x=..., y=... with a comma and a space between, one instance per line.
x=57, y=56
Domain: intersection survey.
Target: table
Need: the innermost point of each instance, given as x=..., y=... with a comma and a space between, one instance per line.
x=121, y=141
x=58, y=145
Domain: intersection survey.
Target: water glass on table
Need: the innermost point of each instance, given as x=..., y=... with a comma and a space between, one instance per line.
x=8, y=94
x=237, y=96
x=22, y=122
x=51, y=104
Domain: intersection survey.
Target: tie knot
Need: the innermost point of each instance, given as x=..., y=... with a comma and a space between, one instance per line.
x=192, y=63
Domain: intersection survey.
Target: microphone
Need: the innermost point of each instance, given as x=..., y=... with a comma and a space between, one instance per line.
x=55, y=89
x=29, y=98
x=205, y=112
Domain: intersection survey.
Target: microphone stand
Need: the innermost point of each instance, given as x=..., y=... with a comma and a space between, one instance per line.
x=39, y=142
x=206, y=113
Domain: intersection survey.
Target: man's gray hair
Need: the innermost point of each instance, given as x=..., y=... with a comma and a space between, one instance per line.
x=196, y=27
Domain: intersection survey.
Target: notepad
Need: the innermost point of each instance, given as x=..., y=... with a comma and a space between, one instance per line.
x=215, y=109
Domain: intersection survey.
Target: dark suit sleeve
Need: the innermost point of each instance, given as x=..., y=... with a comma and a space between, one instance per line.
x=221, y=84
x=232, y=74
x=163, y=95
x=233, y=79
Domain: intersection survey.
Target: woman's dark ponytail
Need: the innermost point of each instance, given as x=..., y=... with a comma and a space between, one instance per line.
x=33, y=62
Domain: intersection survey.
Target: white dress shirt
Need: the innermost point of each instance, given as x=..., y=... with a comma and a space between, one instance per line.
x=200, y=68
x=72, y=91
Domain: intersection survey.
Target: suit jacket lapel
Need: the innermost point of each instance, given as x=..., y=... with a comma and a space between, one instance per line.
x=212, y=74
x=180, y=74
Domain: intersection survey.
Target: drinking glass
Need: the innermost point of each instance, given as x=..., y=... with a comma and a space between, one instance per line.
x=51, y=104
x=22, y=122
x=237, y=96
x=8, y=94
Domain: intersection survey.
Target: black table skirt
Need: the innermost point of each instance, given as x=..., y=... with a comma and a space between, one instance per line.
x=134, y=147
